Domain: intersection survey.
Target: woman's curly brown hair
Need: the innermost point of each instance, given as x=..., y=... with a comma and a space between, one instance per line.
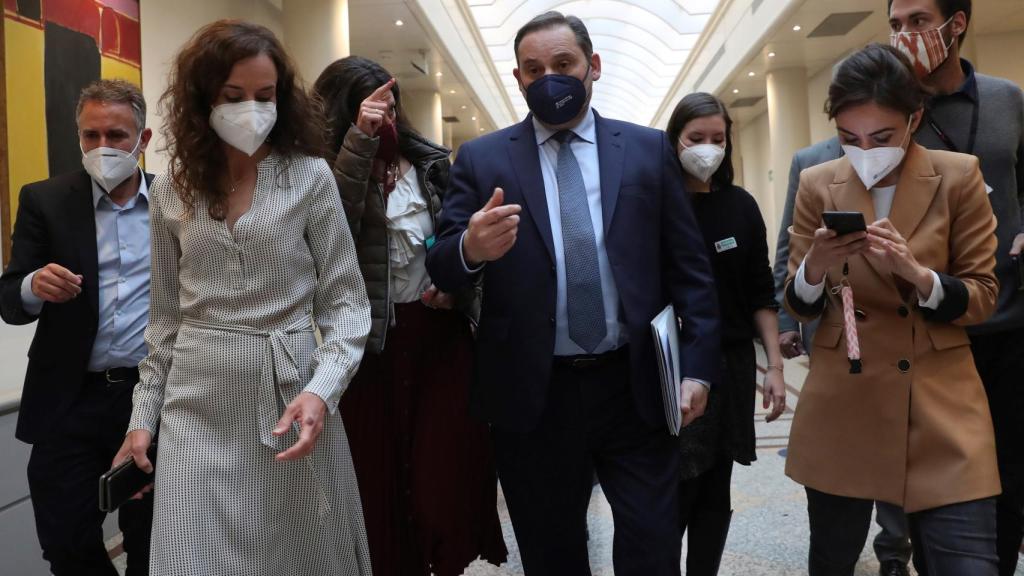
x=197, y=158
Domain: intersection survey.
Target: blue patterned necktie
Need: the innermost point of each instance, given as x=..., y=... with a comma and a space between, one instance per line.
x=587, y=326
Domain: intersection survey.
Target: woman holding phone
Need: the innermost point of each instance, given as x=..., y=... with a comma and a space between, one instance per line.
x=893, y=409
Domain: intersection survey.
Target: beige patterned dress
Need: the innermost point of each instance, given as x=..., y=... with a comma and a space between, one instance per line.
x=231, y=342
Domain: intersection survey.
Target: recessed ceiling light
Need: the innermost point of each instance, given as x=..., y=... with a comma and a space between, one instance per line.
x=771, y=54
x=399, y=23
x=474, y=118
x=439, y=74
x=481, y=129
x=751, y=74
x=451, y=91
x=463, y=106
x=735, y=90
x=797, y=28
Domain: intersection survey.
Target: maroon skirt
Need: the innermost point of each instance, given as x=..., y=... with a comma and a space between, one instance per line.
x=425, y=471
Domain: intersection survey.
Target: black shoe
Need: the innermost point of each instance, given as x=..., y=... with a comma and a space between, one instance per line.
x=893, y=568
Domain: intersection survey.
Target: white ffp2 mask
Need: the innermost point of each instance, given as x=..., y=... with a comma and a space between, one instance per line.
x=244, y=125
x=702, y=160
x=875, y=164
x=109, y=167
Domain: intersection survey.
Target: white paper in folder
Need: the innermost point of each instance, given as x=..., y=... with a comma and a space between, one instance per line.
x=665, y=329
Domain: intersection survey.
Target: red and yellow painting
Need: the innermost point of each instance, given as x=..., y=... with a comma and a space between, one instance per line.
x=53, y=49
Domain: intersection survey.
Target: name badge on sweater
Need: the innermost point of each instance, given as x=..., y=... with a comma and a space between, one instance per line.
x=725, y=245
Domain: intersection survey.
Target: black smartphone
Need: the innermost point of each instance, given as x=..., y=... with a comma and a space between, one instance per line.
x=844, y=222
x=120, y=483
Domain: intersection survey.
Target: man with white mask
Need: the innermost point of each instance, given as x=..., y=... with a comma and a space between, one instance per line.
x=80, y=265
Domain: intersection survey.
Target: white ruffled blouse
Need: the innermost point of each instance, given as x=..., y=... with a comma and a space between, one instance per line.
x=409, y=226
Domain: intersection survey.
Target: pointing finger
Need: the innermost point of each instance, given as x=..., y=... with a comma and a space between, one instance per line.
x=379, y=95
x=505, y=211
x=497, y=199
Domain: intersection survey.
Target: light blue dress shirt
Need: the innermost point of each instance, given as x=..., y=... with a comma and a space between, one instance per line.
x=122, y=246
x=584, y=147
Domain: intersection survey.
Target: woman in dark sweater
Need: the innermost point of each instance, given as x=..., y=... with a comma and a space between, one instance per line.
x=737, y=247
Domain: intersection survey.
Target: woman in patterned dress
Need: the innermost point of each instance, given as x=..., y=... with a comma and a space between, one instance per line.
x=250, y=250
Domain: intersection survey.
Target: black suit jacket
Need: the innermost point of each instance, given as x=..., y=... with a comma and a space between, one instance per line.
x=655, y=248
x=56, y=223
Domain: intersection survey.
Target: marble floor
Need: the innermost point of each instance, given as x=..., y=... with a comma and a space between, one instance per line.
x=769, y=531
x=768, y=536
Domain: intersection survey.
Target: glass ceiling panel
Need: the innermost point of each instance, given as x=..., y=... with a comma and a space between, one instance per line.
x=643, y=46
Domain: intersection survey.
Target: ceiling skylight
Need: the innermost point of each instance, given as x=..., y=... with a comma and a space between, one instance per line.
x=643, y=46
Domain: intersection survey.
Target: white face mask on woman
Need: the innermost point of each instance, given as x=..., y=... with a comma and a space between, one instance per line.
x=701, y=160
x=875, y=164
x=244, y=125
x=109, y=167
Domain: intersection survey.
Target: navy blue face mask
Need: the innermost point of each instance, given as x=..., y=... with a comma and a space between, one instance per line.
x=556, y=99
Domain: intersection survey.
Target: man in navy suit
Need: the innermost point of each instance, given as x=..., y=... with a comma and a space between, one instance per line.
x=581, y=231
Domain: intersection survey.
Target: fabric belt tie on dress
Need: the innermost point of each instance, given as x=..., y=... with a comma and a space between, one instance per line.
x=279, y=379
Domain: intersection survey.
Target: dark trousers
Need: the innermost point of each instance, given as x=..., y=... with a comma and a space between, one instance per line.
x=1000, y=361
x=954, y=540
x=63, y=477
x=590, y=425
x=706, y=509
x=893, y=542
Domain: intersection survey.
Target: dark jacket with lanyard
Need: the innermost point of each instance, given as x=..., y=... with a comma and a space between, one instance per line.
x=366, y=209
x=985, y=117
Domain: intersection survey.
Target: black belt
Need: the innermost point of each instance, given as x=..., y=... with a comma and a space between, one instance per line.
x=592, y=361
x=114, y=376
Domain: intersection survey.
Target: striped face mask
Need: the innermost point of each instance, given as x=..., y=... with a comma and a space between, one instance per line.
x=926, y=50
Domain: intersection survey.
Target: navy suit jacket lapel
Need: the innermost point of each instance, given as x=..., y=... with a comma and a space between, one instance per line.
x=524, y=155
x=610, y=154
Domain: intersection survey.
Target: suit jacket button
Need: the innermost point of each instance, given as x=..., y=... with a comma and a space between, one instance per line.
x=903, y=365
x=903, y=312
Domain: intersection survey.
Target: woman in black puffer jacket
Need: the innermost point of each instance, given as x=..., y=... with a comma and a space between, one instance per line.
x=424, y=467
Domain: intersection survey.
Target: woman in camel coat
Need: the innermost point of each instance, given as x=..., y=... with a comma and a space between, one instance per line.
x=913, y=427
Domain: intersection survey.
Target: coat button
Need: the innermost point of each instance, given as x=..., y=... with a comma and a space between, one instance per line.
x=860, y=314
x=552, y=320
x=903, y=312
x=903, y=365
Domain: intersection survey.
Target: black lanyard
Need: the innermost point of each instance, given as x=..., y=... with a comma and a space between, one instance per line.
x=949, y=141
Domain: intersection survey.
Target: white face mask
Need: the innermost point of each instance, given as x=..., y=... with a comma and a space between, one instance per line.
x=244, y=125
x=702, y=160
x=109, y=167
x=875, y=164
